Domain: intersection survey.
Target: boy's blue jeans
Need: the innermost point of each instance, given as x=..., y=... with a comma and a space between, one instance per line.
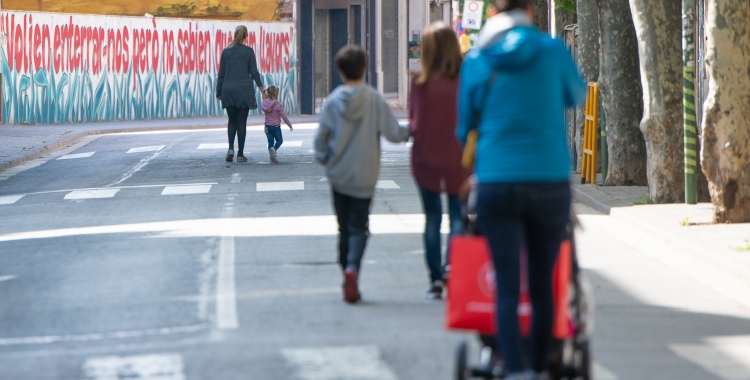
x=353, y=215
x=510, y=216
x=273, y=133
x=433, y=211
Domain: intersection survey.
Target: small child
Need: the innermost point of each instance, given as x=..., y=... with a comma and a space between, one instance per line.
x=274, y=113
x=352, y=120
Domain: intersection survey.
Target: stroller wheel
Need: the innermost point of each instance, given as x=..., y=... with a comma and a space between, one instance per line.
x=583, y=360
x=462, y=353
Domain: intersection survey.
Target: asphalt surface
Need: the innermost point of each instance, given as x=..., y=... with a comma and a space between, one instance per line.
x=166, y=262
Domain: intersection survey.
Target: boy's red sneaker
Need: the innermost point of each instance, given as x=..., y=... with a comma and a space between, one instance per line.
x=351, y=293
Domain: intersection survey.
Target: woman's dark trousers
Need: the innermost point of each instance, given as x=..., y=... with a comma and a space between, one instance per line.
x=534, y=216
x=237, y=126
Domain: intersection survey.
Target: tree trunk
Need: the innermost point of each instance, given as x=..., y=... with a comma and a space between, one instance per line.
x=658, y=25
x=620, y=83
x=541, y=14
x=563, y=18
x=587, y=13
x=725, y=155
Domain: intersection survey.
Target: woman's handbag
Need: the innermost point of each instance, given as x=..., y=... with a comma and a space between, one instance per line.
x=469, y=155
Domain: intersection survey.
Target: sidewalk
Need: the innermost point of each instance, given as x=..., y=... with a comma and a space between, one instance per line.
x=715, y=254
x=22, y=143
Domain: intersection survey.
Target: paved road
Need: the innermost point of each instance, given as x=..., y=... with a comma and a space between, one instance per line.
x=147, y=256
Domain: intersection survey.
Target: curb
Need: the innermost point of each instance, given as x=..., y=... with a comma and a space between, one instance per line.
x=589, y=201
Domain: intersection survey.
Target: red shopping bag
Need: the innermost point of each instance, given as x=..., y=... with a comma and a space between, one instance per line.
x=471, y=286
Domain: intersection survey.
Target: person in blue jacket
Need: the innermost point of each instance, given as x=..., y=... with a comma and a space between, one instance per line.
x=516, y=83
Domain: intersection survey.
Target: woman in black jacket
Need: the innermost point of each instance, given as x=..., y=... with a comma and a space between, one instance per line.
x=235, y=90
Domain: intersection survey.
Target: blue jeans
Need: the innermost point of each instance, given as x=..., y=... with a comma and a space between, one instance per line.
x=353, y=215
x=432, y=206
x=536, y=216
x=273, y=132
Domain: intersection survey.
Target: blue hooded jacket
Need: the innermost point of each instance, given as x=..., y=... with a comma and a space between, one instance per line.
x=522, y=126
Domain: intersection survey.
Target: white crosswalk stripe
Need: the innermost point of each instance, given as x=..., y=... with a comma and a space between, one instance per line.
x=213, y=146
x=181, y=190
x=9, y=199
x=280, y=186
x=333, y=363
x=151, y=367
x=77, y=155
x=292, y=143
x=726, y=357
x=146, y=149
x=387, y=184
x=91, y=194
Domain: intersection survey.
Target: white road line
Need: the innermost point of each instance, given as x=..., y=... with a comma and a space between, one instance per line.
x=727, y=358
x=322, y=225
x=386, y=184
x=146, y=149
x=92, y=337
x=8, y=173
x=280, y=186
x=136, y=168
x=92, y=194
x=602, y=373
x=214, y=146
x=182, y=190
x=152, y=367
x=333, y=363
x=236, y=178
x=9, y=199
x=77, y=155
x=226, y=299
x=7, y=278
x=292, y=143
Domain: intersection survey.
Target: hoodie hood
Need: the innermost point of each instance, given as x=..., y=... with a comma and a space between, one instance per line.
x=509, y=40
x=269, y=105
x=354, y=102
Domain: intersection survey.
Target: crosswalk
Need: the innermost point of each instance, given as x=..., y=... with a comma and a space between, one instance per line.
x=187, y=189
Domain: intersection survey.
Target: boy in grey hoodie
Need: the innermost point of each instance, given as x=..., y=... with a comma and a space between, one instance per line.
x=352, y=120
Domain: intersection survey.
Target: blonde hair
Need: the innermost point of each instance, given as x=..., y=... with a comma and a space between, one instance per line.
x=272, y=92
x=441, y=52
x=240, y=35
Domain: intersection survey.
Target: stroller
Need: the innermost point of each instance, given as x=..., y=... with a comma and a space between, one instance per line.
x=570, y=354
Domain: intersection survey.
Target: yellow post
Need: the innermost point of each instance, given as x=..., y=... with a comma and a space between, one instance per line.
x=590, y=135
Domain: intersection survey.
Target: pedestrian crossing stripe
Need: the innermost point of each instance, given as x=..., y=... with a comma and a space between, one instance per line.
x=292, y=143
x=182, y=190
x=280, y=186
x=77, y=155
x=214, y=146
x=386, y=184
x=146, y=149
x=91, y=194
x=9, y=199
x=332, y=363
x=160, y=366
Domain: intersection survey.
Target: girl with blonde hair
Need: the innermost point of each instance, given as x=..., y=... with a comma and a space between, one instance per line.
x=436, y=153
x=274, y=111
x=235, y=90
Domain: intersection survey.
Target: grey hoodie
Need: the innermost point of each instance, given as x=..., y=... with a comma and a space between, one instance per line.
x=348, y=138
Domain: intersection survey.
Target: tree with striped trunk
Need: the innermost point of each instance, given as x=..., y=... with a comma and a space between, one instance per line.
x=725, y=154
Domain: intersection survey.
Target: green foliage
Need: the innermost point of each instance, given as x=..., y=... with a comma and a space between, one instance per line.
x=743, y=248
x=568, y=5
x=644, y=200
x=685, y=222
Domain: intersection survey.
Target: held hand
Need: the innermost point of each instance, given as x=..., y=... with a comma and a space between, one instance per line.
x=218, y=97
x=290, y=128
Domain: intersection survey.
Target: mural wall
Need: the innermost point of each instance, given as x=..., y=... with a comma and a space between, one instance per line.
x=66, y=68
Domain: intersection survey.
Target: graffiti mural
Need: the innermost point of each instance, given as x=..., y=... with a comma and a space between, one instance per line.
x=62, y=68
